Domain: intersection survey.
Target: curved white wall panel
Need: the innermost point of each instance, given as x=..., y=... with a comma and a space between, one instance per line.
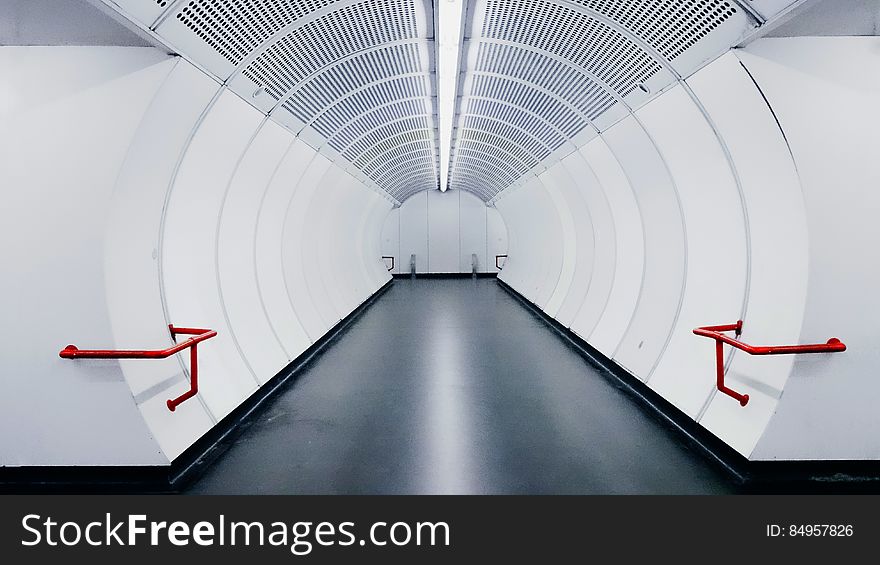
x=237, y=265
x=286, y=313
x=777, y=280
x=630, y=251
x=597, y=273
x=582, y=249
x=566, y=201
x=665, y=255
x=53, y=223
x=715, y=283
x=717, y=221
x=536, y=255
x=496, y=239
x=830, y=399
x=391, y=240
x=318, y=251
x=371, y=242
x=514, y=270
x=303, y=177
x=188, y=253
x=133, y=282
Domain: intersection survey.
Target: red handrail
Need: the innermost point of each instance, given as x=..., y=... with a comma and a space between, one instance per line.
x=715, y=332
x=73, y=352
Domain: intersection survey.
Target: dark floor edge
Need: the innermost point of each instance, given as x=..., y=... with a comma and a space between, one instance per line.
x=445, y=275
x=756, y=475
x=188, y=466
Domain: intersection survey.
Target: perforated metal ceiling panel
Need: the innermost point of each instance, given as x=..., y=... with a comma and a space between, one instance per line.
x=543, y=76
x=355, y=78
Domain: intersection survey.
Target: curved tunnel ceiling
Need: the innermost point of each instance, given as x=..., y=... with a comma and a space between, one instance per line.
x=356, y=79
x=542, y=77
x=352, y=78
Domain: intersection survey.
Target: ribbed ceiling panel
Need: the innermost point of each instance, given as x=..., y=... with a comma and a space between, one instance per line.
x=541, y=75
x=352, y=77
x=355, y=78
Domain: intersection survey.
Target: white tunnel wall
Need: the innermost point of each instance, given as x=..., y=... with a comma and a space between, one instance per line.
x=307, y=268
x=198, y=213
x=444, y=230
x=711, y=220
x=829, y=406
x=627, y=258
x=536, y=255
x=55, y=222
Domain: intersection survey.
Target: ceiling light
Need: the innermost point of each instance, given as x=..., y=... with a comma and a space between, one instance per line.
x=449, y=32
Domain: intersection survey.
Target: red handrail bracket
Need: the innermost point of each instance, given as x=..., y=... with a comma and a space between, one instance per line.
x=716, y=333
x=73, y=352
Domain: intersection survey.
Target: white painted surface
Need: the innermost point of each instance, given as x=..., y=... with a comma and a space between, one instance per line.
x=307, y=168
x=132, y=277
x=496, y=239
x=630, y=251
x=715, y=283
x=371, y=241
x=55, y=210
x=390, y=239
x=662, y=283
x=317, y=246
x=444, y=242
x=414, y=233
x=581, y=250
x=776, y=221
x=473, y=233
x=536, y=242
x=188, y=253
x=283, y=294
x=596, y=274
x=444, y=229
x=237, y=267
x=565, y=203
x=830, y=399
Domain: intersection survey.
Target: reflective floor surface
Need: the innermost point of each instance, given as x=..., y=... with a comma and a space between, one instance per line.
x=452, y=386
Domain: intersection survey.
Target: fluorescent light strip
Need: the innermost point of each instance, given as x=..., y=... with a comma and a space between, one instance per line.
x=449, y=19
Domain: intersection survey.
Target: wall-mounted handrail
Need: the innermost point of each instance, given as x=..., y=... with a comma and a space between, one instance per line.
x=715, y=332
x=497, y=266
x=391, y=268
x=73, y=352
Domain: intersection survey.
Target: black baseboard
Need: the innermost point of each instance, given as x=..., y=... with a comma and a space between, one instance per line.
x=754, y=476
x=192, y=462
x=445, y=275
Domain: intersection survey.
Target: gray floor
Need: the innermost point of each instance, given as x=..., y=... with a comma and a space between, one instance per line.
x=452, y=386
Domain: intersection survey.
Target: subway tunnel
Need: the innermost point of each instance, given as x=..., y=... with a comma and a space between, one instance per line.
x=449, y=246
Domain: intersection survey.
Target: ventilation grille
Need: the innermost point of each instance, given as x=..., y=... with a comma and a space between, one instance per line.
x=234, y=29
x=670, y=27
x=368, y=119
x=543, y=71
x=355, y=73
x=321, y=42
x=555, y=77
x=586, y=42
